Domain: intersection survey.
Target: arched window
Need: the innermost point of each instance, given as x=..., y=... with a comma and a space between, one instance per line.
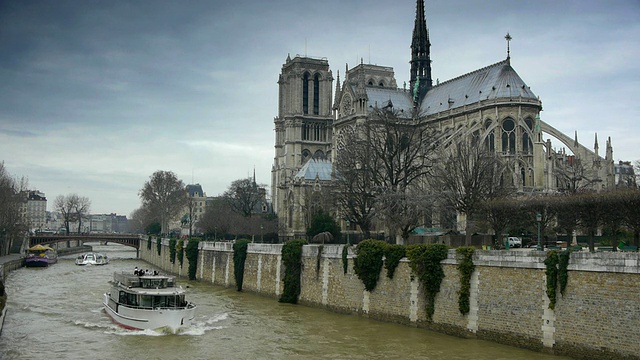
x=305, y=93
x=318, y=155
x=306, y=154
x=490, y=141
x=316, y=94
x=529, y=123
x=508, y=136
x=527, y=145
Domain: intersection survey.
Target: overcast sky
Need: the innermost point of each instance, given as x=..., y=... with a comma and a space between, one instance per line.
x=95, y=96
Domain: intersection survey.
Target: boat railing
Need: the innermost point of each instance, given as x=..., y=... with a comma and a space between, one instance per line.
x=131, y=280
x=188, y=305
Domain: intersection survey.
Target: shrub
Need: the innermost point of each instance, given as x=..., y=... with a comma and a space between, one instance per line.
x=292, y=259
x=172, y=250
x=425, y=264
x=239, y=257
x=393, y=253
x=551, y=263
x=368, y=262
x=192, y=256
x=563, y=274
x=345, y=259
x=180, y=251
x=466, y=268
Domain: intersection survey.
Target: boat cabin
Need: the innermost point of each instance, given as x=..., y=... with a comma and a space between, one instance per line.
x=149, y=291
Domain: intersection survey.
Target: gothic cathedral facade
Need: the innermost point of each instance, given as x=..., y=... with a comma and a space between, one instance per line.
x=492, y=103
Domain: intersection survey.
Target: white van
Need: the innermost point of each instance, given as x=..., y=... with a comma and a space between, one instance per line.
x=514, y=242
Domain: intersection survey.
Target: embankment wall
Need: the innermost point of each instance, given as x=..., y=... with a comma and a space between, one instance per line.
x=598, y=316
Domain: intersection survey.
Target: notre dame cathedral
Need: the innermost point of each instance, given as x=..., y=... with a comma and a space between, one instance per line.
x=492, y=103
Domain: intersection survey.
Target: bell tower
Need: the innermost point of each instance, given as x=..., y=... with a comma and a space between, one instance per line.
x=304, y=123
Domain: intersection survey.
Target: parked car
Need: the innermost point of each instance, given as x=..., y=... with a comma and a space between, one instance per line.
x=514, y=242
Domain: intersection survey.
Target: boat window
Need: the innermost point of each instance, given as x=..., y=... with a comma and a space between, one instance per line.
x=123, y=297
x=154, y=283
x=146, y=300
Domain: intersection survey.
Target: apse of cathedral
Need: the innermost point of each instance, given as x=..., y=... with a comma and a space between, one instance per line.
x=493, y=103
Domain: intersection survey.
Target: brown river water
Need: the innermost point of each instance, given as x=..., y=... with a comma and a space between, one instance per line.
x=56, y=313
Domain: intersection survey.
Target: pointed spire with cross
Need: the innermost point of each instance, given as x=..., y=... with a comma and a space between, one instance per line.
x=508, y=38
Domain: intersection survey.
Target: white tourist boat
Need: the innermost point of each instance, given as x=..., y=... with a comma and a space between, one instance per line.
x=148, y=302
x=92, y=258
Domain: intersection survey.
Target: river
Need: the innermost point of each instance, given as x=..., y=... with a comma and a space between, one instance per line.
x=56, y=313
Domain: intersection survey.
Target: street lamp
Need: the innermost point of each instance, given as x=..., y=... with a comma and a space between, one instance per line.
x=539, y=219
x=261, y=234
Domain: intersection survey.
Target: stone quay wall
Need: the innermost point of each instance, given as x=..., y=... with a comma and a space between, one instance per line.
x=598, y=317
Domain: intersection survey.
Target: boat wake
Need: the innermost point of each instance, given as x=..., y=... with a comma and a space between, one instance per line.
x=198, y=327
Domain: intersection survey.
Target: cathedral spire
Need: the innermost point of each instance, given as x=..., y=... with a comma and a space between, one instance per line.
x=421, y=80
x=508, y=38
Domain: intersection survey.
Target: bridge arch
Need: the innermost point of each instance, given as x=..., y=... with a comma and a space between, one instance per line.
x=132, y=240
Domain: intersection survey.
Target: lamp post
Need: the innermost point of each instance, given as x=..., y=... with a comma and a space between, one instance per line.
x=539, y=219
x=261, y=233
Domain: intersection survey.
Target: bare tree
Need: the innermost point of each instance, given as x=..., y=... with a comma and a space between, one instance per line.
x=381, y=169
x=500, y=215
x=11, y=222
x=139, y=219
x=81, y=209
x=355, y=188
x=244, y=195
x=217, y=219
x=630, y=204
x=572, y=177
x=591, y=213
x=66, y=206
x=165, y=197
x=467, y=176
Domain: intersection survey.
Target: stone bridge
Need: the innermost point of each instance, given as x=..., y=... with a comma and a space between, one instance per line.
x=132, y=240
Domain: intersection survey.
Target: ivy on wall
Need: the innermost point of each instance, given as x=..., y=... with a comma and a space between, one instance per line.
x=557, y=264
x=149, y=243
x=239, y=257
x=551, y=263
x=180, y=251
x=292, y=260
x=563, y=273
x=345, y=259
x=368, y=262
x=318, y=260
x=393, y=253
x=172, y=250
x=159, y=245
x=3, y=295
x=192, y=256
x=425, y=264
x=466, y=268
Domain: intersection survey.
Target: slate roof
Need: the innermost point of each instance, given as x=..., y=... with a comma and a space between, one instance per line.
x=193, y=189
x=315, y=167
x=499, y=80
